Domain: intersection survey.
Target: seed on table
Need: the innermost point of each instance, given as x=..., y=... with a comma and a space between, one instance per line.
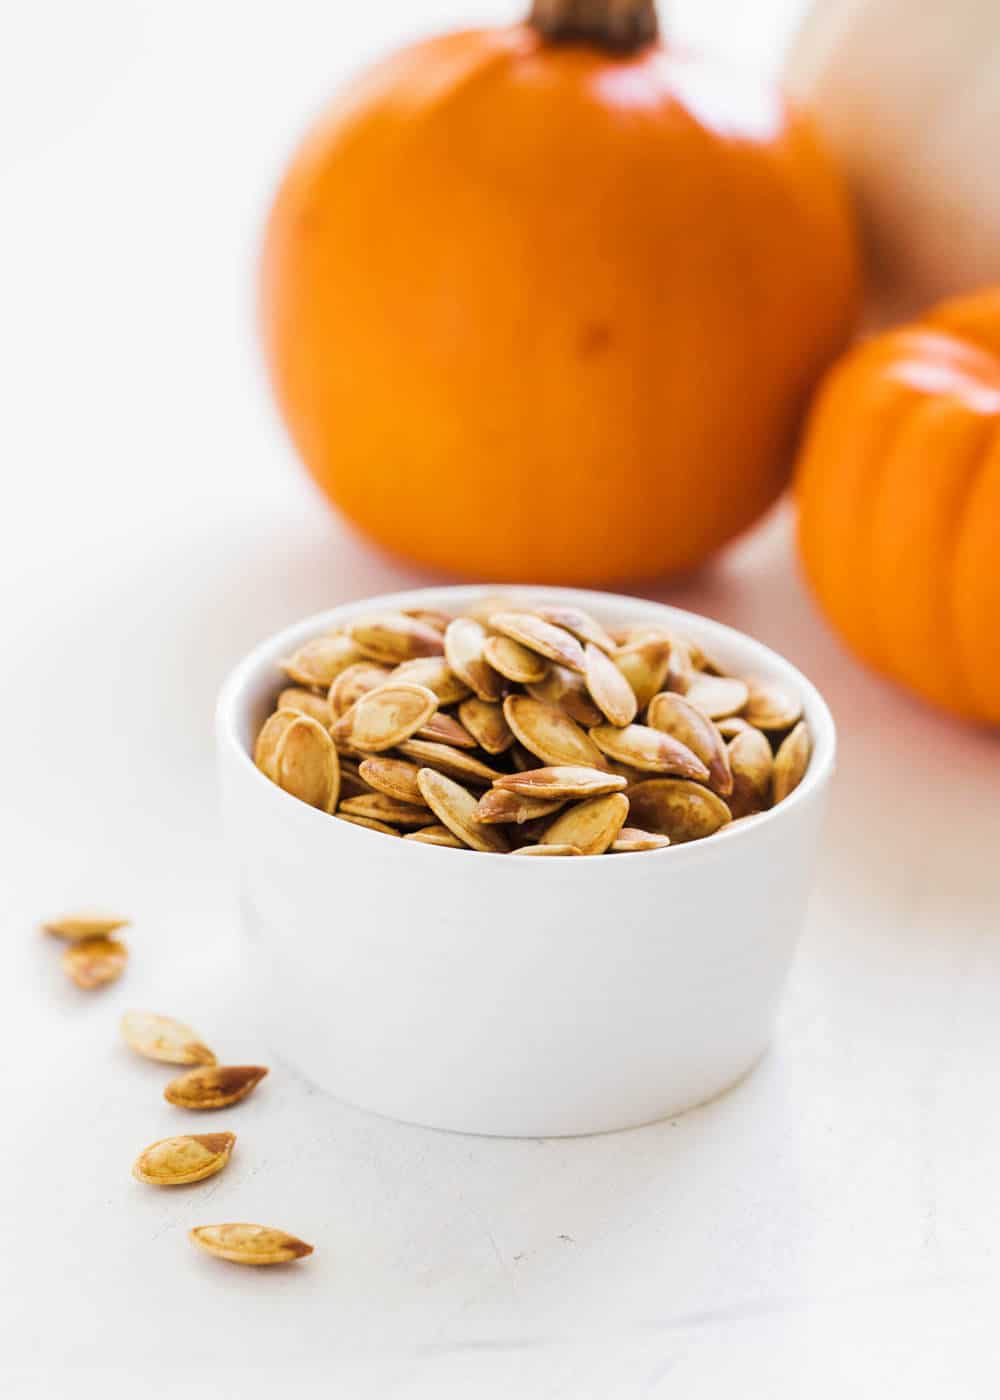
x=213, y=1086
x=180, y=1161
x=164, y=1039
x=244, y=1243
x=94, y=962
x=73, y=927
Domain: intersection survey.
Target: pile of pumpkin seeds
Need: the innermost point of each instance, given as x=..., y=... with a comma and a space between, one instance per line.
x=528, y=730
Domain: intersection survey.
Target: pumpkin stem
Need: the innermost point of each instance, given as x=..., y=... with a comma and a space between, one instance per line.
x=611, y=24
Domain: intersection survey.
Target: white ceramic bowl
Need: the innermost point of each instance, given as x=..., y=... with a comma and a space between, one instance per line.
x=516, y=996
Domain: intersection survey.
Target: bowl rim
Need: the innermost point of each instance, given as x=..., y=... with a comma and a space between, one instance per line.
x=234, y=696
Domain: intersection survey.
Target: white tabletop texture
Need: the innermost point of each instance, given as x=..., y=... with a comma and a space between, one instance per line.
x=828, y=1229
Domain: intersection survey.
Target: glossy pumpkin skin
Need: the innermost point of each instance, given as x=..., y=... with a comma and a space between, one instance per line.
x=898, y=489
x=535, y=310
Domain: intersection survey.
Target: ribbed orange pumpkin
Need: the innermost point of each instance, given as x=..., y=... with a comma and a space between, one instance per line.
x=899, y=504
x=548, y=301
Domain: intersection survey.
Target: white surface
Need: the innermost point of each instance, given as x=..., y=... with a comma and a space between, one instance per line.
x=831, y=1228
x=520, y=998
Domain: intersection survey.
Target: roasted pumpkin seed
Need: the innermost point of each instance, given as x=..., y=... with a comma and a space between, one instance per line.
x=164, y=1039
x=752, y=764
x=243, y=1243
x=73, y=927
x=444, y=729
x=464, y=646
x=306, y=703
x=771, y=707
x=377, y=807
x=454, y=762
x=791, y=761
x=436, y=836
x=718, y=696
x=369, y=822
x=319, y=661
x=435, y=673
x=395, y=637
x=591, y=826
x=649, y=750
x=612, y=693
x=549, y=733
x=569, y=692
x=630, y=838
x=550, y=850
x=487, y=724
x=94, y=962
x=306, y=763
x=455, y=807
x=393, y=776
x=179, y=1161
x=213, y=1086
x=353, y=682
x=677, y=808
x=514, y=661
x=580, y=624
x=502, y=805
x=675, y=715
x=561, y=782
x=644, y=665
x=386, y=717
x=533, y=632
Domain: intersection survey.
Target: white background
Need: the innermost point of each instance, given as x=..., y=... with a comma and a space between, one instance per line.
x=830, y=1228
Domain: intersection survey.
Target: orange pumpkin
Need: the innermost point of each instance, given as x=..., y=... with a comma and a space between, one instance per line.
x=899, y=504
x=547, y=301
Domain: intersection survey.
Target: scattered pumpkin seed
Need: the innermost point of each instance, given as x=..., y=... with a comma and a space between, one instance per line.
x=94, y=962
x=791, y=762
x=455, y=807
x=243, y=1243
x=213, y=1086
x=592, y=826
x=73, y=927
x=179, y=1161
x=162, y=1038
